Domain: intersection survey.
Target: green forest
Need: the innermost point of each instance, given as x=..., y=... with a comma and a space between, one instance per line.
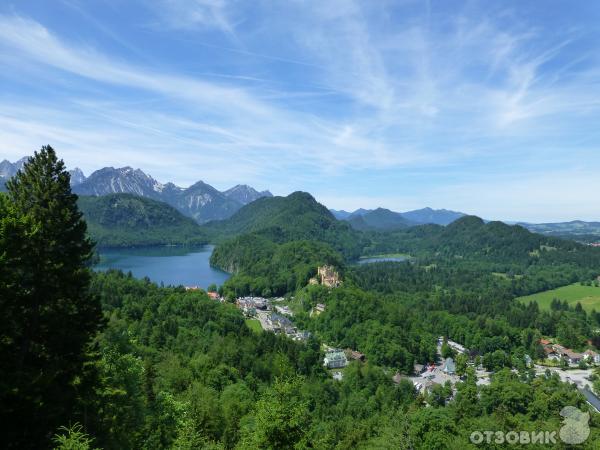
x=126, y=220
x=107, y=361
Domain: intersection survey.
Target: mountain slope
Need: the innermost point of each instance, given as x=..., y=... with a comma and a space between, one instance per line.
x=295, y=217
x=202, y=202
x=77, y=176
x=126, y=220
x=124, y=180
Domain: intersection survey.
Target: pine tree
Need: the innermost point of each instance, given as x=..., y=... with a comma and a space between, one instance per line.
x=48, y=315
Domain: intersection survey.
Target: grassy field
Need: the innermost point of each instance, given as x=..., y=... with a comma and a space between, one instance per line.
x=254, y=325
x=588, y=296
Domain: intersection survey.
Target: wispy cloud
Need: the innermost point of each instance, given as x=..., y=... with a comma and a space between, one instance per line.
x=195, y=14
x=323, y=96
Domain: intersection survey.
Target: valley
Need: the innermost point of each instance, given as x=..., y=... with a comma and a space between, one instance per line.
x=291, y=309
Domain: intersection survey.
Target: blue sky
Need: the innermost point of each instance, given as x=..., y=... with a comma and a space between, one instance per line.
x=491, y=108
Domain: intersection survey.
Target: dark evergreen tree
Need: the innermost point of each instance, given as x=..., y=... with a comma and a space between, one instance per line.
x=49, y=316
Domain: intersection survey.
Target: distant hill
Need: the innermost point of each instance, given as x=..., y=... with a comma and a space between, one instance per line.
x=126, y=220
x=200, y=201
x=472, y=238
x=576, y=229
x=379, y=219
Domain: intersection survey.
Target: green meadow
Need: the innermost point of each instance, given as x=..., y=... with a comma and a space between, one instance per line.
x=254, y=325
x=588, y=296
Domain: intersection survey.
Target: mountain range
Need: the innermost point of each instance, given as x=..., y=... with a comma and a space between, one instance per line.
x=382, y=219
x=204, y=203
x=200, y=201
x=9, y=170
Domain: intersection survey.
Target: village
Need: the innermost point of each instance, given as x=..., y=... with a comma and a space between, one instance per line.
x=275, y=316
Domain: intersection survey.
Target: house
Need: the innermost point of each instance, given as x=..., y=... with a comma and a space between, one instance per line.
x=328, y=276
x=545, y=342
x=592, y=356
x=558, y=348
x=302, y=336
x=572, y=357
x=279, y=323
x=213, y=295
x=335, y=359
x=285, y=310
x=551, y=354
x=449, y=367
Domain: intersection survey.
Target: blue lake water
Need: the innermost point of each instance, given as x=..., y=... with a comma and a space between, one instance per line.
x=376, y=259
x=169, y=265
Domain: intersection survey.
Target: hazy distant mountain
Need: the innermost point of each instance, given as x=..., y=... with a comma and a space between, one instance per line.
x=379, y=219
x=436, y=216
x=200, y=201
x=245, y=194
x=382, y=218
x=340, y=214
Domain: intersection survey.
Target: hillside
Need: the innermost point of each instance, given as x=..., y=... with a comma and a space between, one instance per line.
x=471, y=238
x=125, y=220
x=295, y=217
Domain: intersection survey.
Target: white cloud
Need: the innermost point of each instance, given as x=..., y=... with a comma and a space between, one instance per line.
x=317, y=91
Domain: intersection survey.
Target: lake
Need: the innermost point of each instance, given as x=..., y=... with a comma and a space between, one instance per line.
x=383, y=258
x=169, y=265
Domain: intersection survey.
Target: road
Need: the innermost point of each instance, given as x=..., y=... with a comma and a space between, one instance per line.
x=577, y=376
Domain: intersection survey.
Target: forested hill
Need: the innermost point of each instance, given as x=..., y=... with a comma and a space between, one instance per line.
x=126, y=220
x=283, y=219
x=470, y=237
